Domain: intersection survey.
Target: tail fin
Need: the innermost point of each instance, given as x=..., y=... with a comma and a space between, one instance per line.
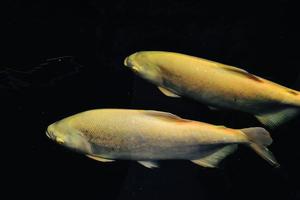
x=259, y=139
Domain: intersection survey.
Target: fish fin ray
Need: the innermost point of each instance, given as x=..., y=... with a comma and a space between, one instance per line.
x=232, y=68
x=166, y=116
x=221, y=126
x=258, y=135
x=155, y=113
x=213, y=108
x=168, y=92
x=259, y=138
x=169, y=117
x=275, y=119
x=242, y=73
x=149, y=164
x=216, y=157
x=99, y=159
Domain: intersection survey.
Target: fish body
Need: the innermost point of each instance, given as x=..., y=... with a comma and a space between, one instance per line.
x=217, y=85
x=146, y=136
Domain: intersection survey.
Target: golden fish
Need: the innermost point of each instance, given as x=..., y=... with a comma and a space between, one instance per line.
x=147, y=136
x=216, y=84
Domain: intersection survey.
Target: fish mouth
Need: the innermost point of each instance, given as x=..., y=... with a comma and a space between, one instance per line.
x=126, y=62
x=135, y=69
x=48, y=135
x=52, y=137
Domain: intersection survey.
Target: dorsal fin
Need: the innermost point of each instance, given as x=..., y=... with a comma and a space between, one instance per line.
x=228, y=67
x=165, y=116
x=155, y=113
x=241, y=72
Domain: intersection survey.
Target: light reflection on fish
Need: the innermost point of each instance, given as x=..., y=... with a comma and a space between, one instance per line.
x=216, y=84
x=147, y=136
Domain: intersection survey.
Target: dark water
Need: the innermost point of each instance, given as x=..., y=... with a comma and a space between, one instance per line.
x=61, y=58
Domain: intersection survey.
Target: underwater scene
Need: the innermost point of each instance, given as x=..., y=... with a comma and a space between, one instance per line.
x=151, y=99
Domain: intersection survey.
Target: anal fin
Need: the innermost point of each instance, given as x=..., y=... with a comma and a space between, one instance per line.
x=168, y=92
x=216, y=157
x=149, y=164
x=276, y=118
x=99, y=159
x=212, y=108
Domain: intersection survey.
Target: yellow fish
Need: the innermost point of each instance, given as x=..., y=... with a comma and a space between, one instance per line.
x=216, y=84
x=147, y=136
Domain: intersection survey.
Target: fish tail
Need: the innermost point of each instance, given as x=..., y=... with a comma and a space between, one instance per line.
x=259, y=138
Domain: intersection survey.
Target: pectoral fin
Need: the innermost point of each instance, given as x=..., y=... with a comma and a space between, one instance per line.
x=215, y=158
x=212, y=108
x=99, y=159
x=168, y=93
x=149, y=164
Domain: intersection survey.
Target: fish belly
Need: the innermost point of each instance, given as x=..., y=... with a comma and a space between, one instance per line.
x=158, y=150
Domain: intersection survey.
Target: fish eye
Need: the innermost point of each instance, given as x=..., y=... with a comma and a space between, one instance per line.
x=59, y=140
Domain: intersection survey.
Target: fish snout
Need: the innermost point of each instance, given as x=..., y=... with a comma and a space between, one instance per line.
x=48, y=134
x=51, y=135
x=128, y=62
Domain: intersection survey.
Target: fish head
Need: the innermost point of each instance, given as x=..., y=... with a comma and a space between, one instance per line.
x=144, y=64
x=64, y=135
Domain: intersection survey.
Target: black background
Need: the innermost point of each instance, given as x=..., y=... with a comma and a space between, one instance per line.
x=98, y=35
